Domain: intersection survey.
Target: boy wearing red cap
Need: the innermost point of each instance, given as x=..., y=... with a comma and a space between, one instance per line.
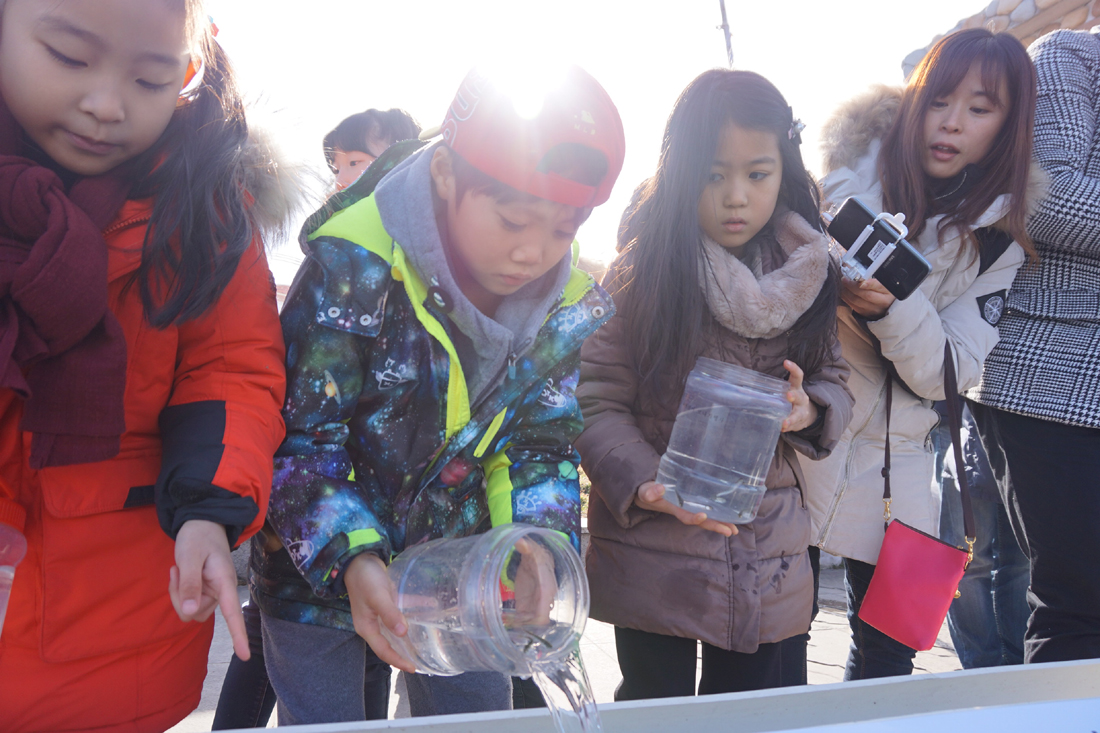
x=433, y=335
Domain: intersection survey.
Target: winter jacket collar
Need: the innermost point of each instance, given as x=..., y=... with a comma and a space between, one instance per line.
x=767, y=306
x=578, y=310
x=948, y=192
x=402, y=198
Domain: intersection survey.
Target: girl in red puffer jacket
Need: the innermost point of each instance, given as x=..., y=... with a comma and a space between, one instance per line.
x=141, y=360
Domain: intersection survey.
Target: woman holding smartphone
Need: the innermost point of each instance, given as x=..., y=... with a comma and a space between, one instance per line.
x=952, y=152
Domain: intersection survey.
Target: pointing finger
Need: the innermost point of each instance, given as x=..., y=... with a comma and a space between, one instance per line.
x=234, y=619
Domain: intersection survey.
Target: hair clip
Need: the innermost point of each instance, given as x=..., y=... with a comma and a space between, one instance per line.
x=795, y=133
x=192, y=70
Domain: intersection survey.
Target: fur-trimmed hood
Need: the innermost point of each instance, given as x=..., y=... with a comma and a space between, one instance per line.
x=848, y=133
x=853, y=129
x=277, y=185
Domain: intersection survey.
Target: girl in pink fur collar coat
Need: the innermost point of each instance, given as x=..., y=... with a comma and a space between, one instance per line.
x=722, y=256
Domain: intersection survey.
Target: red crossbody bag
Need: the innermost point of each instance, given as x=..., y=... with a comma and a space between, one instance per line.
x=918, y=575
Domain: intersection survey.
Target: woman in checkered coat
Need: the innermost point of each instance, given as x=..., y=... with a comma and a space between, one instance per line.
x=1039, y=411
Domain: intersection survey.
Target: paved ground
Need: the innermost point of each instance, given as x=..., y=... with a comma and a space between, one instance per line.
x=828, y=650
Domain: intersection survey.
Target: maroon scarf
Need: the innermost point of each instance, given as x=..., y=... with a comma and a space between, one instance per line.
x=61, y=348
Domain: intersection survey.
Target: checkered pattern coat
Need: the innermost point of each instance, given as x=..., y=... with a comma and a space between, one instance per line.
x=1047, y=363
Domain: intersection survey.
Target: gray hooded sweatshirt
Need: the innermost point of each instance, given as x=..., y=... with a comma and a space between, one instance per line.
x=486, y=344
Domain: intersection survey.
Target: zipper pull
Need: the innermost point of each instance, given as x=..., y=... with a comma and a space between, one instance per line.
x=512, y=365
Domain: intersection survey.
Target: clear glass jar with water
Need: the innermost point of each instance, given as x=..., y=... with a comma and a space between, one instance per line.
x=512, y=600
x=498, y=601
x=723, y=441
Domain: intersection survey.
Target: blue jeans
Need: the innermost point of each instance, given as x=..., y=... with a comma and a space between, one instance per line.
x=323, y=675
x=327, y=675
x=469, y=692
x=989, y=618
x=873, y=653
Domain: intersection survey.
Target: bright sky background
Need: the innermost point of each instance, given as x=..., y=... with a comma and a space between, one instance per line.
x=310, y=64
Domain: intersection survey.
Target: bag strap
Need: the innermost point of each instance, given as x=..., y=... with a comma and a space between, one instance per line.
x=954, y=417
x=886, y=496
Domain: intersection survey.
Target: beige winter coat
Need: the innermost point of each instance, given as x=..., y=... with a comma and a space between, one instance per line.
x=954, y=304
x=648, y=571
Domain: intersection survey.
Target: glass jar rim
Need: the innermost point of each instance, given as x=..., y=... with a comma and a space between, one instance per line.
x=735, y=374
x=491, y=571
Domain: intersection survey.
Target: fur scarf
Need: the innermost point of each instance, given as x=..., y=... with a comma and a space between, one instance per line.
x=768, y=306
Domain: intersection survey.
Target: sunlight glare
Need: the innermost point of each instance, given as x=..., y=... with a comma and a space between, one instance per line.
x=337, y=57
x=527, y=85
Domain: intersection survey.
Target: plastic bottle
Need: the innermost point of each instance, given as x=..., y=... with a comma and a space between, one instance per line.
x=502, y=601
x=723, y=441
x=13, y=546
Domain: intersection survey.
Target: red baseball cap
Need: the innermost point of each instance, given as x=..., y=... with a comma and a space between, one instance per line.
x=485, y=128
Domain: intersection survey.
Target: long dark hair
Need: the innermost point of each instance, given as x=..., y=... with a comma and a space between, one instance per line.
x=657, y=291
x=905, y=186
x=200, y=226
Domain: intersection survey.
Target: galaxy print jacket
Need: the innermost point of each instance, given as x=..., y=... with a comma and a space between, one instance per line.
x=382, y=449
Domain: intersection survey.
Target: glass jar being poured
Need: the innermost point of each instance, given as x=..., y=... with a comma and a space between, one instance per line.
x=513, y=600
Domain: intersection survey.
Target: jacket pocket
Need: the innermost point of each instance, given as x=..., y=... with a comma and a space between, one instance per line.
x=105, y=567
x=782, y=526
x=94, y=488
x=1077, y=305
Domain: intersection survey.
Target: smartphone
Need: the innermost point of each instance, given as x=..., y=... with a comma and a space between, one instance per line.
x=876, y=247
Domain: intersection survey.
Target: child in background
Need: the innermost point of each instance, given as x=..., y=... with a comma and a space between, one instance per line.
x=723, y=256
x=433, y=340
x=358, y=140
x=143, y=362
x=951, y=151
x=247, y=698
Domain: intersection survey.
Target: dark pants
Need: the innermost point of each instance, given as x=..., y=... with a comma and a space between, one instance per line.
x=1049, y=477
x=794, y=648
x=526, y=694
x=872, y=653
x=656, y=665
x=247, y=698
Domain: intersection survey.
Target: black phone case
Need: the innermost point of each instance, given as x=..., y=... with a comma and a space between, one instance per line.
x=903, y=271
